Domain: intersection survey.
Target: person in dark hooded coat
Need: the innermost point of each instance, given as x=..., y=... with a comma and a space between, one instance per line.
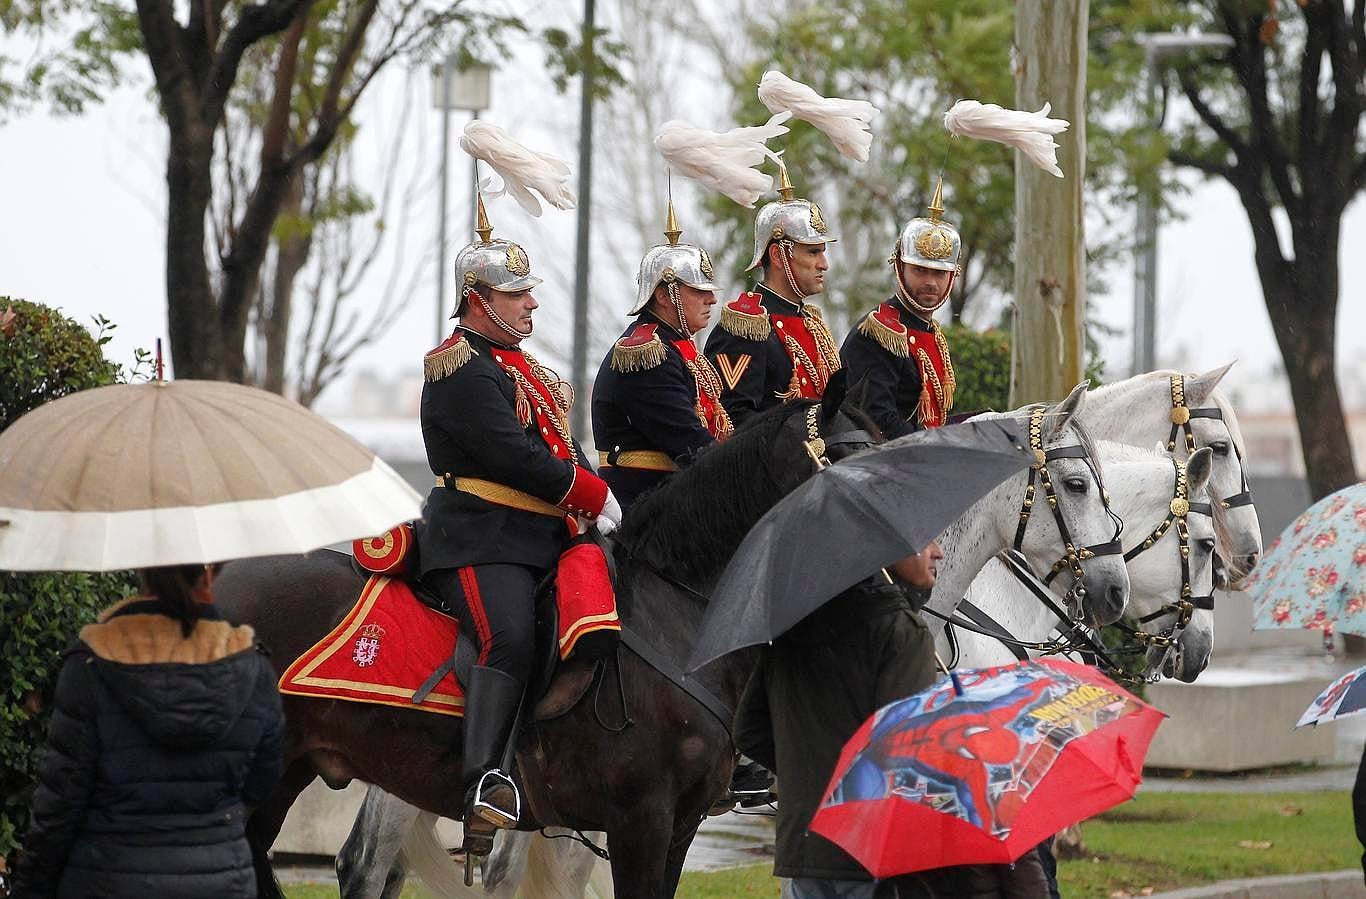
x=166, y=729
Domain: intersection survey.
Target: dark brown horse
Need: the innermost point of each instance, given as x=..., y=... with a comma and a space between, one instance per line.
x=648, y=786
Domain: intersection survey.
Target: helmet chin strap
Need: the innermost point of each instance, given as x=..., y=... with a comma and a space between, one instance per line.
x=785, y=250
x=909, y=301
x=676, y=299
x=495, y=317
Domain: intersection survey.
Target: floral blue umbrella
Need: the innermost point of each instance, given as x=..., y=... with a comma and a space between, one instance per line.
x=1314, y=574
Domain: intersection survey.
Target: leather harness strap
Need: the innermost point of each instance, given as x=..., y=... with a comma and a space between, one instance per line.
x=667, y=667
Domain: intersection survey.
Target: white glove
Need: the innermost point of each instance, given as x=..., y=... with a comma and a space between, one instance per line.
x=610, y=516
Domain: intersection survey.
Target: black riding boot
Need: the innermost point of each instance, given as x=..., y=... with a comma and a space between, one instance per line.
x=491, y=800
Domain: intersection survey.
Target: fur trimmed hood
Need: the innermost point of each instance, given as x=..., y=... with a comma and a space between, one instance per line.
x=185, y=692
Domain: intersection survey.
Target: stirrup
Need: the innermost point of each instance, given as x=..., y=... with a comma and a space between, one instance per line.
x=492, y=780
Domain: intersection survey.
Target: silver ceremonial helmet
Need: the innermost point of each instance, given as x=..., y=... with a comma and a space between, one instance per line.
x=670, y=263
x=931, y=242
x=791, y=219
x=499, y=264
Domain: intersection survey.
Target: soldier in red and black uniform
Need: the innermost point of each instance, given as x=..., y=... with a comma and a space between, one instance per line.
x=898, y=351
x=657, y=400
x=771, y=345
x=512, y=488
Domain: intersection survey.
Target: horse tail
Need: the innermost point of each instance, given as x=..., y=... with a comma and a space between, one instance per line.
x=428, y=859
x=507, y=863
x=563, y=869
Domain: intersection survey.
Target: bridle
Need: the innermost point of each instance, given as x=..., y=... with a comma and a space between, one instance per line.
x=1184, y=607
x=1073, y=556
x=1181, y=416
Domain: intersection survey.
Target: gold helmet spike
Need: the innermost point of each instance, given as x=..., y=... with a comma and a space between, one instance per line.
x=785, y=188
x=936, y=207
x=671, y=230
x=482, y=227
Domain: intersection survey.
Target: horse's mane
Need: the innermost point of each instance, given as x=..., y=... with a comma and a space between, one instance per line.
x=700, y=515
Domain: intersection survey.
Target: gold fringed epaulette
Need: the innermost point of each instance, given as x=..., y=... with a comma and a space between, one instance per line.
x=745, y=317
x=640, y=350
x=884, y=326
x=442, y=362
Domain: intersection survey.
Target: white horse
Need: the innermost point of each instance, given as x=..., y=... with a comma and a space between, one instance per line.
x=1171, y=558
x=1098, y=594
x=1143, y=411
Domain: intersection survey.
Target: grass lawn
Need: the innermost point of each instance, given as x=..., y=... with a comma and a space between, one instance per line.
x=1160, y=840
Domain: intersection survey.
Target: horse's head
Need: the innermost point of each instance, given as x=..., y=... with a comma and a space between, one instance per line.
x=1065, y=527
x=1185, y=412
x=1169, y=545
x=1214, y=424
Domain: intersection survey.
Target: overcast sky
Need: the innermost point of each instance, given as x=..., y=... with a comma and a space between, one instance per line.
x=85, y=202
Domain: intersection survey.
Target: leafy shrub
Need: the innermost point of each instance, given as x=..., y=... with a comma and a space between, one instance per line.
x=981, y=363
x=43, y=355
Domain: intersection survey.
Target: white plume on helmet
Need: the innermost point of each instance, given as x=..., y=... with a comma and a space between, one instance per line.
x=1029, y=132
x=523, y=170
x=722, y=161
x=845, y=122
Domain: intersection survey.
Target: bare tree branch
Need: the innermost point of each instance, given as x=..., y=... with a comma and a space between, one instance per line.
x=1210, y=117
x=255, y=23
x=1208, y=166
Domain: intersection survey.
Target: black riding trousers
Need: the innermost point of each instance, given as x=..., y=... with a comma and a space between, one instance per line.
x=495, y=604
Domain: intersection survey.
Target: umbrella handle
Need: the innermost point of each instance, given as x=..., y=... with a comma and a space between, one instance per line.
x=957, y=684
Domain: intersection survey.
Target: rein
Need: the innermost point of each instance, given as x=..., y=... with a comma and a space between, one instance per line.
x=1072, y=557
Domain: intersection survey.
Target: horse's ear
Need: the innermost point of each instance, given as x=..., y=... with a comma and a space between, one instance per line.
x=836, y=390
x=1199, y=387
x=1060, y=416
x=1198, y=469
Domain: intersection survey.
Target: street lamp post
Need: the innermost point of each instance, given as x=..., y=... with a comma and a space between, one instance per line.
x=463, y=86
x=1155, y=48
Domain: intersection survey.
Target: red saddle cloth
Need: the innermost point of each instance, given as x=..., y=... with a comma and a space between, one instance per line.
x=387, y=646
x=381, y=652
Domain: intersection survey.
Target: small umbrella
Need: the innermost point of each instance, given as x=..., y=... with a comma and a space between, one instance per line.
x=1314, y=574
x=181, y=472
x=849, y=520
x=982, y=775
x=1345, y=696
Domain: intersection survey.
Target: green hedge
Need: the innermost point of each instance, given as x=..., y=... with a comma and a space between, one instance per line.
x=43, y=355
x=981, y=363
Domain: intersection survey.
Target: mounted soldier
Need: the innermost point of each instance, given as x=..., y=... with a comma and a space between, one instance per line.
x=771, y=345
x=657, y=400
x=898, y=350
x=512, y=488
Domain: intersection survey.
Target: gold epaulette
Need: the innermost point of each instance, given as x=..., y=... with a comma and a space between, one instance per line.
x=640, y=350
x=884, y=326
x=745, y=317
x=442, y=362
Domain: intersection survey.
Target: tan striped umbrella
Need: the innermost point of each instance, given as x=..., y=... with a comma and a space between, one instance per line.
x=179, y=472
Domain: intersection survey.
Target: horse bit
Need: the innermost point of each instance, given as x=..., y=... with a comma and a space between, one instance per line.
x=1186, y=604
x=1073, y=556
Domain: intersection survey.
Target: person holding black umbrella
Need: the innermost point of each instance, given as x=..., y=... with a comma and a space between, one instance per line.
x=815, y=685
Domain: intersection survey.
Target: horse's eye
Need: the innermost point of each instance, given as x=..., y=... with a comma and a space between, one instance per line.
x=1207, y=544
x=1220, y=447
x=1076, y=485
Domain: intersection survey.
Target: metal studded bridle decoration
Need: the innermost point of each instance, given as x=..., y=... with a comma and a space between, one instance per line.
x=818, y=447
x=1073, y=556
x=1186, y=604
x=1181, y=416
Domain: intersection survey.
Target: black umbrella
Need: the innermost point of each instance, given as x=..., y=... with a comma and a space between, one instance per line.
x=849, y=520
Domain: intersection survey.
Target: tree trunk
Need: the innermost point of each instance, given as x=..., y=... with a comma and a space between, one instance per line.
x=191, y=308
x=291, y=255
x=1047, y=357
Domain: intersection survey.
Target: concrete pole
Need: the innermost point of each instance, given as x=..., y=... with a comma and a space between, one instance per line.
x=579, y=415
x=1048, y=353
x=1145, y=249
x=441, y=312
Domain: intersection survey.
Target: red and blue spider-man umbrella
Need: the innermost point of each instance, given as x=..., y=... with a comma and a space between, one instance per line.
x=983, y=775
x=1345, y=696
